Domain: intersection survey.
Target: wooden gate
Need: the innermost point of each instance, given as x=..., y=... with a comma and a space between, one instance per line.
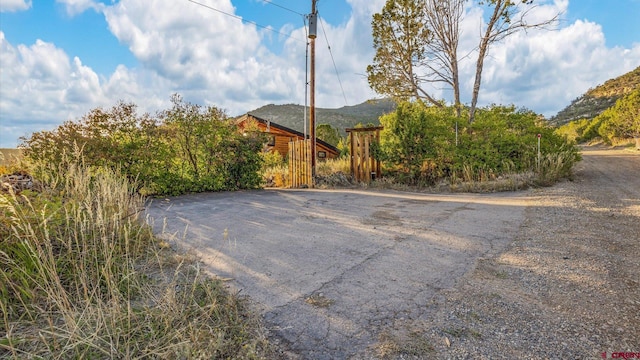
x=300, y=163
x=364, y=167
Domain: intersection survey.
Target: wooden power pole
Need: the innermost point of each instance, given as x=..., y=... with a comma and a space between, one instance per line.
x=313, y=26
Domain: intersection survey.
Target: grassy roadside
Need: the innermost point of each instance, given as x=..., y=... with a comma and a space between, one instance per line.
x=82, y=277
x=335, y=173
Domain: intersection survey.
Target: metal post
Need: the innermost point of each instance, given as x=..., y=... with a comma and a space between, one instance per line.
x=539, y=136
x=456, y=133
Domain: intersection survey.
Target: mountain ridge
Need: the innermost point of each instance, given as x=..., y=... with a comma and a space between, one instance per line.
x=292, y=115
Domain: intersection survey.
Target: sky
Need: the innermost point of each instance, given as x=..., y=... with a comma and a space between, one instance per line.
x=61, y=58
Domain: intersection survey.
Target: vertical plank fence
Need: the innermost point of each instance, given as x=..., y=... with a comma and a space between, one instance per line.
x=364, y=166
x=300, y=164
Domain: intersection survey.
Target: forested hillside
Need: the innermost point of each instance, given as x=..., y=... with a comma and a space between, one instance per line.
x=292, y=116
x=616, y=125
x=597, y=100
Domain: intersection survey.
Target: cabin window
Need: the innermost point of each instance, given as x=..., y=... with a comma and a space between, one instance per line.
x=322, y=154
x=271, y=141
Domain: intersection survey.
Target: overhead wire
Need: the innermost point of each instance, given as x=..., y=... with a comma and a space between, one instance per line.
x=304, y=16
x=283, y=7
x=246, y=21
x=334, y=61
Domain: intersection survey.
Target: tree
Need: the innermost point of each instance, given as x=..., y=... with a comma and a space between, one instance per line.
x=187, y=148
x=415, y=137
x=400, y=39
x=506, y=19
x=416, y=43
x=444, y=18
x=623, y=119
x=328, y=133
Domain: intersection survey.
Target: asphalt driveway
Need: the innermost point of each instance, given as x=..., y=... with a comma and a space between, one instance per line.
x=332, y=270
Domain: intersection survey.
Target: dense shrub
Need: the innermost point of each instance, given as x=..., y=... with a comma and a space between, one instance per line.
x=622, y=121
x=419, y=144
x=187, y=148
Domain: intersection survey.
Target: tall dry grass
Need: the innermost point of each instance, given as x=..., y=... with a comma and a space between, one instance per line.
x=333, y=166
x=82, y=277
x=554, y=167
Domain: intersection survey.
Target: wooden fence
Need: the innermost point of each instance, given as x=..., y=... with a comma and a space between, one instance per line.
x=300, y=164
x=364, y=166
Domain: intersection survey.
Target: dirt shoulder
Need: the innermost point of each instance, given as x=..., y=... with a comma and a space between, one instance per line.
x=568, y=286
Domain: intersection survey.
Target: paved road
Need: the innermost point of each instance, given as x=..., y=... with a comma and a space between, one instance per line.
x=331, y=270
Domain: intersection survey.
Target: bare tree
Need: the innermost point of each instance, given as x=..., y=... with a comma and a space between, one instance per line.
x=416, y=43
x=444, y=17
x=507, y=18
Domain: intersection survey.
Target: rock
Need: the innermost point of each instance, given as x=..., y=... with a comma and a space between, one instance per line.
x=16, y=182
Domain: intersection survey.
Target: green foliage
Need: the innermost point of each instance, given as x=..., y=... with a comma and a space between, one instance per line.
x=619, y=122
x=272, y=159
x=418, y=143
x=622, y=121
x=184, y=149
x=400, y=38
x=343, y=147
x=328, y=133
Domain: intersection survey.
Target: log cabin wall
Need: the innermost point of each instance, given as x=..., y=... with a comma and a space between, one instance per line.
x=283, y=135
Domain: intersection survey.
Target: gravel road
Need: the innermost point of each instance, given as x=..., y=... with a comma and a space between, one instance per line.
x=567, y=287
x=541, y=274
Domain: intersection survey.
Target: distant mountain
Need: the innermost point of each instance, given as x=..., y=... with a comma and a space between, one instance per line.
x=597, y=100
x=292, y=116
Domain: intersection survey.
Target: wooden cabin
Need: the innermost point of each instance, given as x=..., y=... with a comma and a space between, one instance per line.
x=280, y=136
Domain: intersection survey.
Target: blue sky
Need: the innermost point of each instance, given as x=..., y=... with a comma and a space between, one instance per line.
x=59, y=59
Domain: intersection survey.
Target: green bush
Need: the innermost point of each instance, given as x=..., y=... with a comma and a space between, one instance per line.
x=419, y=144
x=183, y=149
x=416, y=143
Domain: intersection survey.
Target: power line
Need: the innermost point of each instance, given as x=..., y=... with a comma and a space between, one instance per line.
x=282, y=7
x=334, y=63
x=246, y=21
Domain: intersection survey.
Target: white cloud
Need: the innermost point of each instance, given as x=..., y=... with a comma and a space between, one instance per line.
x=41, y=88
x=14, y=5
x=214, y=59
x=75, y=7
x=211, y=56
x=544, y=70
x=352, y=51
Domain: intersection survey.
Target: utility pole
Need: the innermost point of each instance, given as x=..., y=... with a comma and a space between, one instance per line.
x=313, y=25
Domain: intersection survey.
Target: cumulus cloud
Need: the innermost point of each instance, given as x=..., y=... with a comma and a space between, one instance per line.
x=351, y=50
x=214, y=59
x=41, y=87
x=544, y=70
x=14, y=5
x=204, y=53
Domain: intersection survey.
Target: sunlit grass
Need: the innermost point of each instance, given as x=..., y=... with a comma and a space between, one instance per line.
x=332, y=166
x=82, y=277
